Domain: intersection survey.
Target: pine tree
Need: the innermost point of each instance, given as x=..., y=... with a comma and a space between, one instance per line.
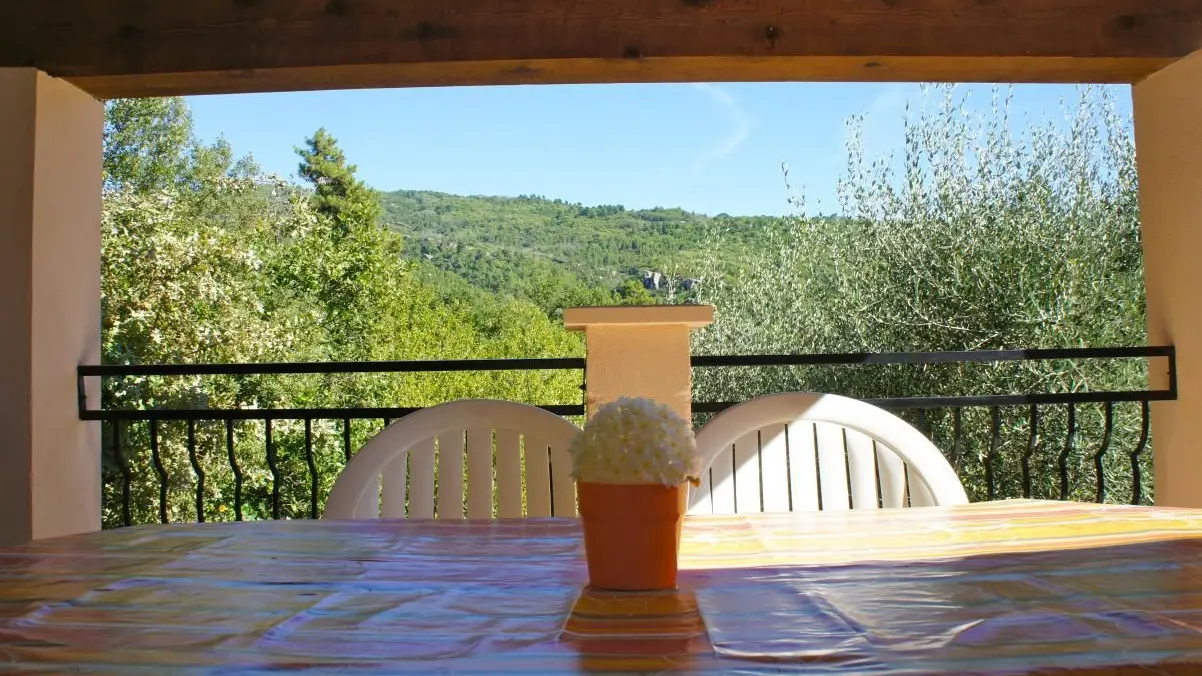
x=338, y=195
x=356, y=272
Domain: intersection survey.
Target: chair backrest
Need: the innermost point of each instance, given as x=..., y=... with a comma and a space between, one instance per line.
x=801, y=451
x=525, y=448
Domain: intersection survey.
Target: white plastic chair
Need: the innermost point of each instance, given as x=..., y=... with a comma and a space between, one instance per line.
x=802, y=451
x=373, y=484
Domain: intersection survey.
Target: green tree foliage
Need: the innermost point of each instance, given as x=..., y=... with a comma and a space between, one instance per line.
x=631, y=292
x=207, y=260
x=354, y=271
x=149, y=146
x=337, y=194
x=146, y=143
x=982, y=236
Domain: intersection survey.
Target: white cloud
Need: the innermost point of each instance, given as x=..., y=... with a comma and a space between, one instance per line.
x=741, y=124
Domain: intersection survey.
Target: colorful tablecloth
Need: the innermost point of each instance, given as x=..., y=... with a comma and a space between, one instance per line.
x=989, y=589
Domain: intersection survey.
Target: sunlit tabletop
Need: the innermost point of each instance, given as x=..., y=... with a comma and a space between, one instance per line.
x=991, y=589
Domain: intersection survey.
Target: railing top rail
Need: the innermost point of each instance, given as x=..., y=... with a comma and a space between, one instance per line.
x=578, y=363
x=349, y=413
x=965, y=356
x=278, y=368
x=966, y=401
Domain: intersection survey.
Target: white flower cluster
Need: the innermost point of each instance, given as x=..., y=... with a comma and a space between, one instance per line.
x=636, y=441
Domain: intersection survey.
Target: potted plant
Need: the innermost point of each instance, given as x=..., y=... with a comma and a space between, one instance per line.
x=632, y=463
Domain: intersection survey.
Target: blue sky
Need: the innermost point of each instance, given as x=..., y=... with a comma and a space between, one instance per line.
x=710, y=148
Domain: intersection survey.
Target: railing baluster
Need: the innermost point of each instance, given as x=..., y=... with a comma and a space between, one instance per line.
x=1137, y=489
x=126, y=475
x=957, y=438
x=107, y=491
x=995, y=438
x=200, y=473
x=1101, y=454
x=161, y=471
x=1031, y=440
x=229, y=449
x=312, y=468
x=275, y=471
x=1068, y=448
x=346, y=438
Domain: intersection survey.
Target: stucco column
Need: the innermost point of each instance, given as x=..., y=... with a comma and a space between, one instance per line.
x=51, y=137
x=1168, y=136
x=639, y=352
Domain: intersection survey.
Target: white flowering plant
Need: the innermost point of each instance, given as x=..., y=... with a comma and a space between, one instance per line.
x=636, y=441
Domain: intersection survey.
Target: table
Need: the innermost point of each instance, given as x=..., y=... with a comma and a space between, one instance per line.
x=991, y=589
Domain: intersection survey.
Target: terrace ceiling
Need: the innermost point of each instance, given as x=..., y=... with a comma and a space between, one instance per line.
x=120, y=48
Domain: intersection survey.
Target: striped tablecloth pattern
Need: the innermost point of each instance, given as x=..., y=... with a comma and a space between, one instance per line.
x=990, y=589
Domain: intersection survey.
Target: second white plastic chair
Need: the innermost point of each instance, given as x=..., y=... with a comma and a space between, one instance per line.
x=802, y=451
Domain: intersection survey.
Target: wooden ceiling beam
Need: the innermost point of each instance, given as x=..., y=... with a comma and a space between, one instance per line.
x=117, y=48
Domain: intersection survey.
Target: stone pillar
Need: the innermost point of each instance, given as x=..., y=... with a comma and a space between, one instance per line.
x=51, y=137
x=640, y=351
x=1168, y=135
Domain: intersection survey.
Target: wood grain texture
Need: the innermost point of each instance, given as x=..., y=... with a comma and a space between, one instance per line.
x=156, y=47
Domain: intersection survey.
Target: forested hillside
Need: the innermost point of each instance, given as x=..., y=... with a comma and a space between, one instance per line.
x=559, y=254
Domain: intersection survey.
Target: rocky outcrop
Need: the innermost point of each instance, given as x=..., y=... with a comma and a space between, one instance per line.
x=652, y=281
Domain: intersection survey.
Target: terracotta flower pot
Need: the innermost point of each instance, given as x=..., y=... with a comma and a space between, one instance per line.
x=632, y=534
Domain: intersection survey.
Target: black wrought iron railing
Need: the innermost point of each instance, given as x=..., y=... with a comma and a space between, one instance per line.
x=171, y=454
x=196, y=462
x=1043, y=444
